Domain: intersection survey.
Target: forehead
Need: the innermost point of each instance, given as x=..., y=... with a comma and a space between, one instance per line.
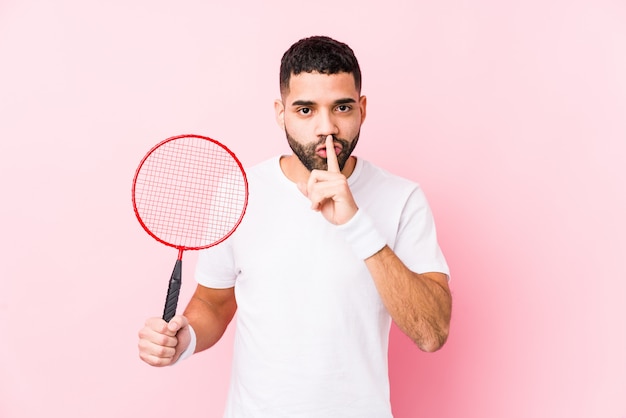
x=317, y=86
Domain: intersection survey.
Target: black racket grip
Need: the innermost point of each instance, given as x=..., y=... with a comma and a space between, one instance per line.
x=172, y=292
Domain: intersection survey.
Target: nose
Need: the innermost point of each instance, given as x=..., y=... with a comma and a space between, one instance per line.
x=326, y=124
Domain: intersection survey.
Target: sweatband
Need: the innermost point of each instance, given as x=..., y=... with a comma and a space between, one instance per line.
x=362, y=235
x=190, y=348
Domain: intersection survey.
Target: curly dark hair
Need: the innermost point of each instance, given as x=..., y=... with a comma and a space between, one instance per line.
x=318, y=54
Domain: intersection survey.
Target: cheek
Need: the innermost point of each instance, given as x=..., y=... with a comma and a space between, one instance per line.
x=351, y=129
x=297, y=128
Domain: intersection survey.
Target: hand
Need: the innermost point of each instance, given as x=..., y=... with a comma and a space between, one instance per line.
x=329, y=191
x=161, y=343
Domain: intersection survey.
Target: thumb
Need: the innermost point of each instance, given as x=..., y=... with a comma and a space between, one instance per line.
x=176, y=324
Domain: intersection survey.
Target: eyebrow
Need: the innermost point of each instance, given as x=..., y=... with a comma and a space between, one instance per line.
x=347, y=100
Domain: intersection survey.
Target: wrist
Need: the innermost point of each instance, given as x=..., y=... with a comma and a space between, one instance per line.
x=191, y=348
x=362, y=235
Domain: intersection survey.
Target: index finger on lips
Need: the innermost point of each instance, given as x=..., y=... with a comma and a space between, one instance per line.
x=331, y=157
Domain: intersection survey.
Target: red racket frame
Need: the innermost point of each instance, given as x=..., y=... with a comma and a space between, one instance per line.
x=175, y=280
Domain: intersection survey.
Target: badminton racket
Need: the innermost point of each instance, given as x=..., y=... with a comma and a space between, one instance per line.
x=189, y=192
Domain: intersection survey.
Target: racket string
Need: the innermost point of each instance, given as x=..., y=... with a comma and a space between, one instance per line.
x=190, y=192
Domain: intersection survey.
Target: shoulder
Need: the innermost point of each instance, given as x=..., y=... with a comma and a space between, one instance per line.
x=371, y=176
x=385, y=194
x=266, y=167
x=265, y=172
x=267, y=183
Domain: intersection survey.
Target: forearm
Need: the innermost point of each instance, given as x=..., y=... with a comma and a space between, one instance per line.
x=209, y=318
x=420, y=304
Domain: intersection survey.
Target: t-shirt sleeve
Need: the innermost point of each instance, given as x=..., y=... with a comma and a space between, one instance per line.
x=216, y=266
x=416, y=242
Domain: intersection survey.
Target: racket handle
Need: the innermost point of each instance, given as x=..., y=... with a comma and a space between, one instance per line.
x=172, y=292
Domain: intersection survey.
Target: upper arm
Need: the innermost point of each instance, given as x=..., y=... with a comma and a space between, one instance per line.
x=416, y=242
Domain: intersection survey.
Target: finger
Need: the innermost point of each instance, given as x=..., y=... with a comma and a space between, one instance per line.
x=317, y=180
x=303, y=187
x=324, y=188
x=156, y=349
x=150, y=336
x=156, y=355
x=154, y=360
x=157, y=325
x=331, y=157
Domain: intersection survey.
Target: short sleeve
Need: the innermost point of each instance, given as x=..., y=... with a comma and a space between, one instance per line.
x=416, y=242
x=216, y=266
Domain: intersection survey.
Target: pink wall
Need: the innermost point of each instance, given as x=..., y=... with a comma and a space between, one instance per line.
x=513, y=118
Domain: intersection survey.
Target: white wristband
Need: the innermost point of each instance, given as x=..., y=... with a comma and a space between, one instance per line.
x=362, y=235
x=191, y=348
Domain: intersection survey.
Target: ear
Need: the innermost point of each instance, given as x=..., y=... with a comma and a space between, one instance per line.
x=363, y=106
x=279, y=111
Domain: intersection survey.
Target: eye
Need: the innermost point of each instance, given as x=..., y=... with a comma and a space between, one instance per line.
x=304, y=111
x=344, y=108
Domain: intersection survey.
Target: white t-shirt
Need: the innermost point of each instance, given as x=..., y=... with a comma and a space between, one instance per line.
x=311, y=330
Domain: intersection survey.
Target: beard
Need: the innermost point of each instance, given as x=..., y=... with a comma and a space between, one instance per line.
x=309, y=158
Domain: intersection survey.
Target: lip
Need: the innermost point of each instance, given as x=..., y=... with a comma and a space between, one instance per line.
x=321, y=150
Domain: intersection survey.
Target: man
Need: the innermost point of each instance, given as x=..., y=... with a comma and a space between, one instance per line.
x=331, y=250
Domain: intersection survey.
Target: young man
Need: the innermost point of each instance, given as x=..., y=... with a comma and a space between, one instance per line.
x=331, y=250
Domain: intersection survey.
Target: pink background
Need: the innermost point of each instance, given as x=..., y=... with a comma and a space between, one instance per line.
x=512, y=116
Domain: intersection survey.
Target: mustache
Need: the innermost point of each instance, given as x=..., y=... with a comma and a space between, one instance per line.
x=322, y=140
